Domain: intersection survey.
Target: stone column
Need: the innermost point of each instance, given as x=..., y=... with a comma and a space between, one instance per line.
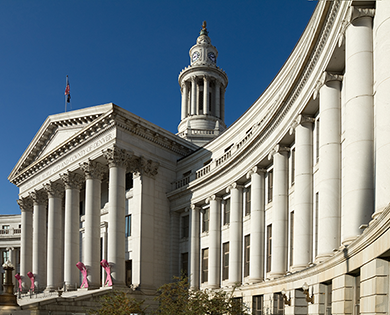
x=279, y=211
x=91, y=252
x=303, y=192
x=55, y=193
x=26, y=207
x=217, y=99
x=330, y=166
x=256, y=266
x=235, y=233
x=195, y=240
x=358, y=192
x=214, y=241
x=73, y=183
x=39, y=238
x=184, y=100
x=222, y=104
x=117, y=161
x=382, y=105
x=193, y=95
x=205, y=95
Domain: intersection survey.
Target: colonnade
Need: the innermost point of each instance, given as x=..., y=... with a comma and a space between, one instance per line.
x=52, y=256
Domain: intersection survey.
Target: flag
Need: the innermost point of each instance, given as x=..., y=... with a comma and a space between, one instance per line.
x=67, y=90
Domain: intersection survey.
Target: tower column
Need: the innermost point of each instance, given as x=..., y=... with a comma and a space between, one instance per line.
x=55, y=193
x=257, y=224
x=235, y=233
x=193, y=95
x=205, y=95
x=26, y=207
x=93, y=174
x=195, y=243
x=39, y=238
x=217, y=99
x=215, y=241
x=279, y=212
x=358, y=195
x=303, y=192
x=73, y=183
x=184, y=100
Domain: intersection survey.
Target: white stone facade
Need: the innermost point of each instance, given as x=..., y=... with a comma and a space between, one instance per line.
x=290, y=203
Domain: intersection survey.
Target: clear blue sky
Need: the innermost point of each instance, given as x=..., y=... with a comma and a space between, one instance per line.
x=130, y=53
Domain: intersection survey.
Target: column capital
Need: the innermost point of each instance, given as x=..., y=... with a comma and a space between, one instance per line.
x=194, y=207
x=117, y=157
x=278, y=149
x=72, y=180
x=39, y=197
x=54, y=190
x=255, y=170
x=234, y=185
x=300, y=120
x=325, y=78
x=355, y=13
x=93, y=169
x=25, y=204
x=193, y=78
x=212, y=197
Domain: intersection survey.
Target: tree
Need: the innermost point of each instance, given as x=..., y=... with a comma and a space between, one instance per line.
x=176, y=298
x=117, y=303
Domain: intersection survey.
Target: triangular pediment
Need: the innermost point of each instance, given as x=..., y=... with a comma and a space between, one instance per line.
x=56, y=130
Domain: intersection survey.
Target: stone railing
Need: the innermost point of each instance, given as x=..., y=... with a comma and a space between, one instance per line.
x=9, y=232
x=182, y=182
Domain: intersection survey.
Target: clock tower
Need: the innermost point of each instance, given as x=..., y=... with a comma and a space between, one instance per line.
x=203, y=87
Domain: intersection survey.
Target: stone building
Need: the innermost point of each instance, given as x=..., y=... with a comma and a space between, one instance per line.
x=290, y=202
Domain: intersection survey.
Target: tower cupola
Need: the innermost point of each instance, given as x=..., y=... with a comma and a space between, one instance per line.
x=203, y=87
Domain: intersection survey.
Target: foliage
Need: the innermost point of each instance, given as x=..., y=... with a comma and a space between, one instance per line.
x=117, y=303
x=176, y=298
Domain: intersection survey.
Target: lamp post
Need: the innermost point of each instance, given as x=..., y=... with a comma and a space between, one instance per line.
x=7, y=298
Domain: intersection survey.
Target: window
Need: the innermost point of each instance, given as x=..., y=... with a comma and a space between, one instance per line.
x=292, y=166
x=184, y=264
x=129, y=180
x=5, y=227
x=316, y=208
x=129, y=279
x=270, y=185
x=81, y=207
x=128, y=225
x=257, y=305
x=248, y=201
x=237, y=305
x=317, y=127
x=291, y=237
x=226, y=212
x=278, y=304
x=269, y=247
x=205, y=264
x=328, y=299
x=356, y=295
x=247, y=246
x=225, y=261
x=5, y=256
x=185, y=225
x=206, y=220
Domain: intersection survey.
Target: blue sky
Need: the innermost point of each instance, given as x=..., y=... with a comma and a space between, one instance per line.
x=130, y=53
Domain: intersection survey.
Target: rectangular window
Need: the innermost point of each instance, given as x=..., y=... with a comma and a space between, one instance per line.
x=292, y=166
x=317, y=126
x=291, y=237
x=128, y=225
x=247, y=246
x=5, y=256
x=356, y=295
x=226, y=212
x=316, y=208
x=328, y=299
x=206, y=220
x=129, y=279
x=81, y=207
x=269, y=247
x=270, y=185
x=129, y=180
x=205, y=265
x=184, y=264
x=185, y=225
x=278, y=304
x=5, y=227
x=257, y=305
x=225, y=261
x=248, y=201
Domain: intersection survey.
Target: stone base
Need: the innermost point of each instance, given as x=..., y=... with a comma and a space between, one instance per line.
x=8, y=300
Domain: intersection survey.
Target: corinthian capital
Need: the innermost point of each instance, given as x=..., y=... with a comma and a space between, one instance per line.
x=93, y=169
x=54, y=190
x=25, y=204
x=117, y=157
x=72, y=180
x=149, y=167
x=39, y=197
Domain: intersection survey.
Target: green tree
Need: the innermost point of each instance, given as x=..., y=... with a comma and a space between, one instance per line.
x=176, y=298
x=118, y=303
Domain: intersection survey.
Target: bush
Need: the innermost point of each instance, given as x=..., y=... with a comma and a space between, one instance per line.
x=117, y=303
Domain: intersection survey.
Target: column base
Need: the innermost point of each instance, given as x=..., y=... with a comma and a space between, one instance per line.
x=255, y=280
x=323, y=257
x=273, y=275
x=296, y=268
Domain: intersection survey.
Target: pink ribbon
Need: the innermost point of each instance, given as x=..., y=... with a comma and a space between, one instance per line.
x=19, y=278
x=107, y=268
x=84, y=272
x=31, y=276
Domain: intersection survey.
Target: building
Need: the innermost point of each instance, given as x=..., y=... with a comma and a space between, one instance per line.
x=290, y=203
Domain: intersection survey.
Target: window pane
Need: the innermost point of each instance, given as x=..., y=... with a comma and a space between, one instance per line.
x=226, y=212
x=205, y=264
x=128, y=225
x=225, y=271
x=246, y=255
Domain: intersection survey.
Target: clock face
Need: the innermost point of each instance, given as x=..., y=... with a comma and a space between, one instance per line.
x=195, y=56
x=211, y=56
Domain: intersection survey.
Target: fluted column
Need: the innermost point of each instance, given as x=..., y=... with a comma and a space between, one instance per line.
x=26, y=207
x=235, y=233
x=117, y=161
x=193, y=95
x=205, y=95
x=358, y=193
x=303, y=192
x=214, y=241
x=279, y=211
x=195, y=242
x=256, y=266
x=217, y=99
x=73, y=183
x=329, y=182
x=39, y=238
x=91, y=252
x=55, y=193
x=184, y=100
x=382, y=105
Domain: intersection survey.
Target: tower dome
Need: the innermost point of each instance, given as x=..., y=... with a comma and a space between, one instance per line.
x=203, y=87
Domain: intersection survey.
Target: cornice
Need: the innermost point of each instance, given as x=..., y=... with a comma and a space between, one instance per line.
x=190, y=69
